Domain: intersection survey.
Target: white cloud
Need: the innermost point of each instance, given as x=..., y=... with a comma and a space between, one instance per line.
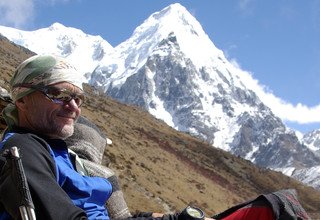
x=20, y=13
x=288, y=12
x=16, y=13
x=243, y=4
x=229, y=50
x=300, y=113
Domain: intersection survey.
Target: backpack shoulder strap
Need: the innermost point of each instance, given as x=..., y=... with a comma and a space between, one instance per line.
x=77, y=163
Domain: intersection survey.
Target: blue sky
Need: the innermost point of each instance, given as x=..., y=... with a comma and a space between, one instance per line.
x=277, y=41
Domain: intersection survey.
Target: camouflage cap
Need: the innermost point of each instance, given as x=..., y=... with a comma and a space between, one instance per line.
x=38, y=70
x=43, y=70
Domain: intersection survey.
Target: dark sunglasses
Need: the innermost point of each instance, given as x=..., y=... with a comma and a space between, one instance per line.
x=57, y=95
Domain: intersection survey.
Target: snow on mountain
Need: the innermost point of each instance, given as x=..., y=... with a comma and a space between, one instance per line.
x=83, y=50
x=132, y=54
x=311, y=176
x=170, y=67
x=312, y=140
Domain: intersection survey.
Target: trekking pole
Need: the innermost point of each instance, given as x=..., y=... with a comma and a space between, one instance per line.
x=26, y=207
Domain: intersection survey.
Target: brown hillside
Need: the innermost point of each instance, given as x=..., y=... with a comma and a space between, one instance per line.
x=163, y=170
x=10, y=56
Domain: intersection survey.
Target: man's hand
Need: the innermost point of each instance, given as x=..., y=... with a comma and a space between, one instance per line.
x=157, y=215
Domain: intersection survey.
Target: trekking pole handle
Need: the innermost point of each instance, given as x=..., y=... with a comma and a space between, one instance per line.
x=26, y=209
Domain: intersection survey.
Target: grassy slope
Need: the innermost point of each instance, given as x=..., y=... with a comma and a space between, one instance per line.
x=162, y=169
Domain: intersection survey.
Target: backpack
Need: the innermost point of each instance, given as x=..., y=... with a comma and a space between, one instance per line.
x=279, y=205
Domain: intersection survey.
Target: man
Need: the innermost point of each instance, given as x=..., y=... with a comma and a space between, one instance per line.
x=47, y=96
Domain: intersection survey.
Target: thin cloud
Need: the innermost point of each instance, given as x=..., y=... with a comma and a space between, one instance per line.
x=21, y=13
x=243, y=4
x=16, y=13
x=246, y=6
x=192, y=11
x=315, y=15
x=228, y=51
x=54, y=2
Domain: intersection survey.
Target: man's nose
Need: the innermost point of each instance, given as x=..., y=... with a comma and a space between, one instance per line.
x=72, y=104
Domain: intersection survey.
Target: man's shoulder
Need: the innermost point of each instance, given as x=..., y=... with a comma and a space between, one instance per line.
x=23, y=140
x=34, y=150
x=21, y=137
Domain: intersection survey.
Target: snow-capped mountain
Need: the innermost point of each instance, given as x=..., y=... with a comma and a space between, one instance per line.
x=170, y=67
x=83, y=50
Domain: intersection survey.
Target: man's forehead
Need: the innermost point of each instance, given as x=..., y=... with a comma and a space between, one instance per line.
x=67, y=85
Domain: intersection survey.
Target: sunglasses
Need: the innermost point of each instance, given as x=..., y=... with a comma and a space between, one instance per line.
x=57, y=95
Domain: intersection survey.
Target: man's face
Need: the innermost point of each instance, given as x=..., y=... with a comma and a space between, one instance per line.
x=43, y=116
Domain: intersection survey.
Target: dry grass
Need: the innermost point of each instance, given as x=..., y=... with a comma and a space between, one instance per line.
x=10, y=57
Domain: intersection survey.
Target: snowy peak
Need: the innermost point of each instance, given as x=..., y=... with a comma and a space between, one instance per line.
x=84, y=50
x=173, y=22
x=176, y=20
x=57, y=27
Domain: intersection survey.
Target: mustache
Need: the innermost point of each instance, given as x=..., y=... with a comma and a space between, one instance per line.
x=68, y=114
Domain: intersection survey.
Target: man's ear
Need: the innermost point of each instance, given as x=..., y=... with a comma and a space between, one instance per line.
x=21, y=103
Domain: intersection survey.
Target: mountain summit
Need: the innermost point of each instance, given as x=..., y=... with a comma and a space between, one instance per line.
x=171, y=68
x=132, y=54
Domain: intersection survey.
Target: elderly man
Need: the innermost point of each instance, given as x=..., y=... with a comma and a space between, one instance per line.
x=47, y=96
